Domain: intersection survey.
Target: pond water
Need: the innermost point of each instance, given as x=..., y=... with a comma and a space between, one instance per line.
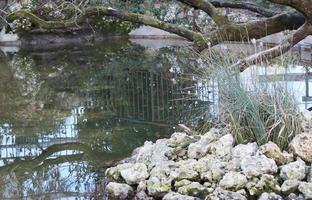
x=68, y=113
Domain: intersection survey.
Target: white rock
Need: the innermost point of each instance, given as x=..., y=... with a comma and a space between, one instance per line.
x=270, y=196
x=177, y=196
x=243, y=150
x=290, y=186
x=210, y=168
x=119, y=191
x=295, y=171
x=220, y=194
x=233, y=180
x=306, y=189
x=258, y=165
x=223, y=147
x=135, y=173
x=200, y=148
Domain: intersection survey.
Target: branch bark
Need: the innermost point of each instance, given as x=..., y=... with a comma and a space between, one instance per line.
x=97, y=11
x=244, y=5
x=210, y=9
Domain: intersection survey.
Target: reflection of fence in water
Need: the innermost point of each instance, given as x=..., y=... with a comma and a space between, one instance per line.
x=151, y=97
x=141, y=95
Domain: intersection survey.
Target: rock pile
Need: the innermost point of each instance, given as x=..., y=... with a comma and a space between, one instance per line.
x=210, y=167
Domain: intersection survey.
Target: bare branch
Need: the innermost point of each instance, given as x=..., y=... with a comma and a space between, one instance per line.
x=278, y=50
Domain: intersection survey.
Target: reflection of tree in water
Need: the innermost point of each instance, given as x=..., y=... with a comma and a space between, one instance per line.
x=110, y=100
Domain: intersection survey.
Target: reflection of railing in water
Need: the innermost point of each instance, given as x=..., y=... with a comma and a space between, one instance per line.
x=141, y=96
x=148, y=96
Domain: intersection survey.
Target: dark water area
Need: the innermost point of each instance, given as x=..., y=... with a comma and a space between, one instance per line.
x=67, y=114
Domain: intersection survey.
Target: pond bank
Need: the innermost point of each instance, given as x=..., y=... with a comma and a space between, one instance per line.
x=210, y=166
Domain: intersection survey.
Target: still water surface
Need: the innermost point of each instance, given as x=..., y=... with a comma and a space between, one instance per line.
x=67, y=114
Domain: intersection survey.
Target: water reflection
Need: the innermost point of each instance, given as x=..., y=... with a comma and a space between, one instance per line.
x=66, y=114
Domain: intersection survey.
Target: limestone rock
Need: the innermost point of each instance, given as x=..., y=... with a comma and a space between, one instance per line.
x=270, y=196
x=200, y=148
x=210, y=168
x=289, y=186
x=179, y=138
x=239, y=152
x=194, y=189
x=184, y=169
x=119, y=191
x=267, y=183
x=159, y=182
x=233, y=181
x=220, y=194
x=258, y=165
x=306, y=189
x=134, y=173
x=223, y=147
x=177, y=196
x=113, y=173
x=142, y=196
x=243, y=150
x=271, y=150
x=295, y=170
x=301, y=146
x=153, y=154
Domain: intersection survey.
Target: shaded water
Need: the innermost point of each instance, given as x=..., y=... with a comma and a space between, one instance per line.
x=67, y=114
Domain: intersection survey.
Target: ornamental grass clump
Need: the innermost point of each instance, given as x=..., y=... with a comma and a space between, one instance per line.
x=253, y=110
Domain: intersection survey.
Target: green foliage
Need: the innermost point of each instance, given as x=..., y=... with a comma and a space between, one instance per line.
x=253, y=110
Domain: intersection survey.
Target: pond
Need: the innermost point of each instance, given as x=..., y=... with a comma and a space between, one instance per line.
x=67, y=113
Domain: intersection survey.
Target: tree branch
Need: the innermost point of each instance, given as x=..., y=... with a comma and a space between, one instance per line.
x=97, y=11
x=278, y=50
x=244, y=5
x=207, y=7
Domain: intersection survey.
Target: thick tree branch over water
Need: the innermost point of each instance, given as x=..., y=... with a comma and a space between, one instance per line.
x=227, y=31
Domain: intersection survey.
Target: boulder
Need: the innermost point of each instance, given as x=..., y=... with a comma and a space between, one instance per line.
x=270, y=196
x=177, y=196
x=200, y=148
x=159, y=182
x=258, y=165
x=220, y=194
x=113, y=173
x=223, y=147
x=289, y=186
x=210, y=168
x=239, y=152
x=243, y=150
x=194, y=189
x=294, y=171
x=142, y=196
x=153, y=154
x=267, y=183
x=135, y=173
x=184, y=169
x=233, y=181
x=271, y=150
x=306, y=189
x=119, y=191
x=301, y=146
